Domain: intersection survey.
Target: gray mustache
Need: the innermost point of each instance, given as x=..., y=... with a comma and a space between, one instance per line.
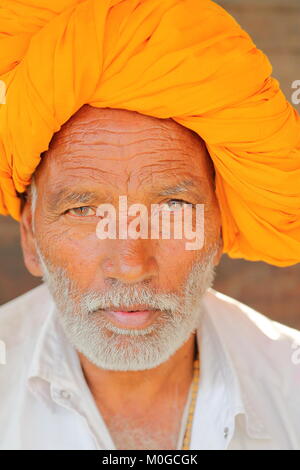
x=129, y=296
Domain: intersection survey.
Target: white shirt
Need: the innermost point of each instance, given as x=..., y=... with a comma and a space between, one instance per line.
x=248, y=396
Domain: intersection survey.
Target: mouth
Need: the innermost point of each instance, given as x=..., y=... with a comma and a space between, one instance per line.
x=135, y=316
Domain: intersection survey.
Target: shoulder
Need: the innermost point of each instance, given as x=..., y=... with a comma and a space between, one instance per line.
x=24, y=312
x=20, y=322
x=264, y=348
x=265, y=358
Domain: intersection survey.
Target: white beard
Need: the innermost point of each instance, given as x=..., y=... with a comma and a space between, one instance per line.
x=113, y=348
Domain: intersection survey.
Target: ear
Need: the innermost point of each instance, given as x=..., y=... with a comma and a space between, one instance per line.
x=219, y=253
x=28, y=242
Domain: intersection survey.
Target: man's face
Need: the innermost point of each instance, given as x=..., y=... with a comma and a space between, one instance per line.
x=98, y=156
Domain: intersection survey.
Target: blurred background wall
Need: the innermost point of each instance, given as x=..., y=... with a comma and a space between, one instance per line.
x=275, y=27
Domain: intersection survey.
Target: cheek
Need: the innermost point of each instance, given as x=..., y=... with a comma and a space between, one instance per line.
x=78, y=252
x=174, y=262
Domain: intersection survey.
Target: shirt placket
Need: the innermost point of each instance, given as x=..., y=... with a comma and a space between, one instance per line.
x=85, y=408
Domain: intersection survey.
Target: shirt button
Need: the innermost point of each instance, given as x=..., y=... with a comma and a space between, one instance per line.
x=65, y=394
x=226, y=431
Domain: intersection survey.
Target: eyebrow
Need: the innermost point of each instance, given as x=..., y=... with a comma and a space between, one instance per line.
x=65, y=196
x=181, y=187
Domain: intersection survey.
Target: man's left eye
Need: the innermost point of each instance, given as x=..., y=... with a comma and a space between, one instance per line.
x=175, y=204
x=83, y=211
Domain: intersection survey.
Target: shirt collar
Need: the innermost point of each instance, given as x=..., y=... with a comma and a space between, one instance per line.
x=243, y=395
x=56, y=362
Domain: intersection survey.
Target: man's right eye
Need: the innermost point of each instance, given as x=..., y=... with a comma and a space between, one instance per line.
x=83, y=211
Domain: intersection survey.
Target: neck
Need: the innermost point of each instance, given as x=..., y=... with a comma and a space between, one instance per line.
x=116, y=391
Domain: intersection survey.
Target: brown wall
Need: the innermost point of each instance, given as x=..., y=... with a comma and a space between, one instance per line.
x=275, y=28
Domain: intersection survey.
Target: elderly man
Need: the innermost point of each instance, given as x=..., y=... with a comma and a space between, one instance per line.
x=126, y=345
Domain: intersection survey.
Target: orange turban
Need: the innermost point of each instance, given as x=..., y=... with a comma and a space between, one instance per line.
x=183, y=59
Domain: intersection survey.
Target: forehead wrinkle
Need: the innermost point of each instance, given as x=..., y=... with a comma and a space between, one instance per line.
x=98, y=139
x=114, y=120
x=72, y=137
x=157, y=167
x=73, y=164
x=117, y=130
x=179, y=157
x=157, y=176
x=108, y=118
x=72, y=169
x=165, y=132
x=134, y=124
x=149, y=171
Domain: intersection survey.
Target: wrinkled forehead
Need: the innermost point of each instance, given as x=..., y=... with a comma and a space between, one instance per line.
x=112, y=123
x=114, y=135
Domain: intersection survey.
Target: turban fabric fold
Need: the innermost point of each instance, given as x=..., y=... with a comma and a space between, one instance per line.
x=188, y=60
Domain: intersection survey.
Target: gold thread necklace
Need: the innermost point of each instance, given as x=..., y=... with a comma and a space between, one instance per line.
x=188, y=429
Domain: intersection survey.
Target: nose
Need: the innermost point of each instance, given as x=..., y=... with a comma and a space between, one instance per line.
x=130, y=261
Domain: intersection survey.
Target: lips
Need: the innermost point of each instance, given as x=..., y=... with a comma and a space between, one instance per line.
x=132, y=308
x=133, y=316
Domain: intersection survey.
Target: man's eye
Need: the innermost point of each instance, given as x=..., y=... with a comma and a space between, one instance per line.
x=174, y=204
x=83, y=211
